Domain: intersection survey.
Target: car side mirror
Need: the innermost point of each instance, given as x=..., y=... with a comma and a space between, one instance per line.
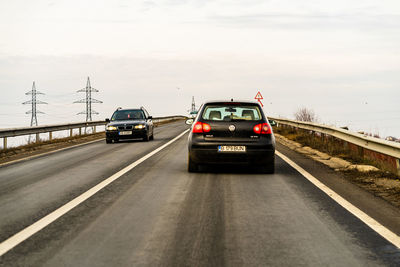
x=272, y=123
x=107, y=120
x=150, y=117
x=189, y=121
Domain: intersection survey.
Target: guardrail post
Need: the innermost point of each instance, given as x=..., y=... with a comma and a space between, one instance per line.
x=80, y=130
x=94, y=129
x=70, y=132
x=4, y=142
x=398, y=166
x=50, y=136
x=37, y=138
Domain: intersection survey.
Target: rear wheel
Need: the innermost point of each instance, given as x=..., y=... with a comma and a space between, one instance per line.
x=192, y=167
x=108, y=141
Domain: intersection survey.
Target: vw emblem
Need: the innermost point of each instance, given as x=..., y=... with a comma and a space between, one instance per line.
x=232, y=128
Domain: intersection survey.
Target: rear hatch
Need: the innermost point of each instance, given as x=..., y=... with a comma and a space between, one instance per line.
x=231, y=122
x=232, y=131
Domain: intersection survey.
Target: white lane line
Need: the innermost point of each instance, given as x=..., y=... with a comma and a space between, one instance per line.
x=24, y=234
x=372, y=223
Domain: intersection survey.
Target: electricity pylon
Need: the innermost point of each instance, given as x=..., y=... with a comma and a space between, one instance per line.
x=34, y=102
x=193, y=110
x=34, y=110
x=88, y=100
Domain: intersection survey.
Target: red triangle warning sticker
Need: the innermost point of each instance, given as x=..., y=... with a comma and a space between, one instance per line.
x=259, y=96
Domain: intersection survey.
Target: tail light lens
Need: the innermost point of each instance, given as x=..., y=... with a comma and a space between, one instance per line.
x=206, y=128
x=262, y=128
x=201, y=127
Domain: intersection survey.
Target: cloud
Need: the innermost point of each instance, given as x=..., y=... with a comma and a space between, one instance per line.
x=307, y=21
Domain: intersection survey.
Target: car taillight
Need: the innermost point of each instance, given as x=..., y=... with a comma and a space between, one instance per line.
x=206, y=127
x=201, y=127
x=262, y=128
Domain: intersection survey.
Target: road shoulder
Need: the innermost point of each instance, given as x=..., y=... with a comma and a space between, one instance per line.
x=376, y=207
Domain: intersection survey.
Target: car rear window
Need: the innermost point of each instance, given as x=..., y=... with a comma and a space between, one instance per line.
x=127, y=115
x=231, y=112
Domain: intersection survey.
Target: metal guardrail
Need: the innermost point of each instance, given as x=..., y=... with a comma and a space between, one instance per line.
x=371, y=143
x=36, y=130
x=384, y=147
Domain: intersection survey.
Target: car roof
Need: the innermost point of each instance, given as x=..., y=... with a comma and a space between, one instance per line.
x=127, y=109
x=227, y=101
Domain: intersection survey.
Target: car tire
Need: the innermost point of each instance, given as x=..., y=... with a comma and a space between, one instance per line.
x=146, y=138
x=192, y=166
x=152, y=136
x=108, y=141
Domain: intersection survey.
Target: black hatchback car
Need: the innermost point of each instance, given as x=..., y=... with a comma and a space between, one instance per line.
x=129, y=124
x=231, y=132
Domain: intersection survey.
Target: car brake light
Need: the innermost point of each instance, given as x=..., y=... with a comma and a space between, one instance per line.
x=206, y=127
x=262, y=128
x=266, y=129
x=201, y=127
x=198, y=127
x=257, y=129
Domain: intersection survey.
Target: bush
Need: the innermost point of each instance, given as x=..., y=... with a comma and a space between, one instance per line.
x=305, y=114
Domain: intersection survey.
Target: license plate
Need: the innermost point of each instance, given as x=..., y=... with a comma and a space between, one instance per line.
x=125, y=133
x=231, y=148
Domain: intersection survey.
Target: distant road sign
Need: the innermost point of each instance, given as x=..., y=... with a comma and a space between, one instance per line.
x=259, y=97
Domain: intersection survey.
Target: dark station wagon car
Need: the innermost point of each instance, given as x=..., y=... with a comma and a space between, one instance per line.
x=231, y=132
x=129, y=124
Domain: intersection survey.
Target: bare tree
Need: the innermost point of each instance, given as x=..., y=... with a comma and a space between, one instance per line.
x=305, y=114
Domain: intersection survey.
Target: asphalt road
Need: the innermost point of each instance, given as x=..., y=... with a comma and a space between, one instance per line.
x=158, y=214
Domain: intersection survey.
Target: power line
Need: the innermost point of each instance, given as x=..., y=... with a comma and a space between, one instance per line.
x=88, y=100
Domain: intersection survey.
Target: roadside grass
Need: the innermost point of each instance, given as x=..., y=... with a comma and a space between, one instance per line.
x=329, y=145
x=45, y=145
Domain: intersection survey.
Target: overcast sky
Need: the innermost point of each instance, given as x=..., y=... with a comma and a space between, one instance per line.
x=339, y=58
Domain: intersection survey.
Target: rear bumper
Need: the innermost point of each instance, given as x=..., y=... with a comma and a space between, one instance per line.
x=205, y=156
x=135, y=134
x=256, y=153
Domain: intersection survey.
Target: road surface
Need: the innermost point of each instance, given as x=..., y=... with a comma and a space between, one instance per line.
x=158, y=214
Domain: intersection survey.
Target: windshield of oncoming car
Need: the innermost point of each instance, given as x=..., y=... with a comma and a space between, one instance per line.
x=121, y=115
x=232, y=112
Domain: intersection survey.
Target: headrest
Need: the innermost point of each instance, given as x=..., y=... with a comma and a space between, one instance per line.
x=215, y=115
x=248, y=113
